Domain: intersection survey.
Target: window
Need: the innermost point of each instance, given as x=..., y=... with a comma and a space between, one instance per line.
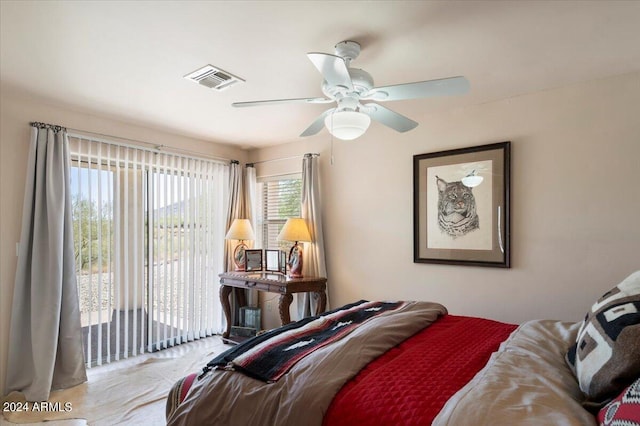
x=149, y=237
x=278, y=199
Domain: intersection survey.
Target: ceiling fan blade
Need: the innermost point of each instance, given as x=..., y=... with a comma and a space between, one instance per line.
x=317, y=125
x=389, y=118
x=333, y=68
x=283, y=101
x=421, y=89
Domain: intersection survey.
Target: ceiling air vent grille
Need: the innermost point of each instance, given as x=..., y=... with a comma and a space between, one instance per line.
x=213, y=78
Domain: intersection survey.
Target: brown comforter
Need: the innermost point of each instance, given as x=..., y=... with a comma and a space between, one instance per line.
x=303, y=395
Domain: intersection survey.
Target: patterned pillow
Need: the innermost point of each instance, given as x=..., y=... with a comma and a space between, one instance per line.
x=606, y=356
x=624, y=410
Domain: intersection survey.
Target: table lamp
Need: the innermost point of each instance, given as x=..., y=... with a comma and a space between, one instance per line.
x=240, y=230
x=295, y=229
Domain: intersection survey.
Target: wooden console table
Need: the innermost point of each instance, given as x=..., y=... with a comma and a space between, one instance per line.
x=273, y=283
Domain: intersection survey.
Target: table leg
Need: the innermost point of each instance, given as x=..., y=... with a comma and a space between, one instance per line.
x=225, y=291
x=322, y=302
x=285, y=302
x=241, y=297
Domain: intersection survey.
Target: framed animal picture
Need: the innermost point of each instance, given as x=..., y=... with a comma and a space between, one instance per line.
x=461, y=206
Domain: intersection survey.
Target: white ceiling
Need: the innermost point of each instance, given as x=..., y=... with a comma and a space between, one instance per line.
x=126, y=60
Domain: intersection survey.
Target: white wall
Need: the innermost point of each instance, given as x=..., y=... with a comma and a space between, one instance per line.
x=575, y=203
x=16, y=111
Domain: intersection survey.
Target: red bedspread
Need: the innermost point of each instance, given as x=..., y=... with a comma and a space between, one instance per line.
x=409, y=384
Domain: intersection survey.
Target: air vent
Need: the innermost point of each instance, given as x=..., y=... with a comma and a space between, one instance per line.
x=213, y=78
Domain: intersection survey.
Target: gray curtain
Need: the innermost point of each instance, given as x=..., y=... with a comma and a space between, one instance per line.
x=314, y=259
x=241, y=206
x=250, y=188
x=242, y=193
x=45, y=332
x=235, y=210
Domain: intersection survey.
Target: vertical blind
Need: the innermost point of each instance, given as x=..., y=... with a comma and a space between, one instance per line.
x=149, y=237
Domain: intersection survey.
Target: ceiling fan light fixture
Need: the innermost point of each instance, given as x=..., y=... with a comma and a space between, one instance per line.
x=347, y=125
x=472, y=180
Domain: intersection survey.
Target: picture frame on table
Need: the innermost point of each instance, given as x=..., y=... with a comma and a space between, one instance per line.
x=253, y=260
x=461, y=206
x=283, y=262
x=272, y=260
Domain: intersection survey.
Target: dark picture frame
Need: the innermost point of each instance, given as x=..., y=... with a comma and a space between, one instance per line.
x=460, y=223
x=253, y=260
x=272, y=260
x=283, y=262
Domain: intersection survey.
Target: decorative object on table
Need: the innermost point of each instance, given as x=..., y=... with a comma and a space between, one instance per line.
x=347, y=86
x=295, y=229
x=253, y=260
x=240, y=230
x=272, y=261
x=461, y=205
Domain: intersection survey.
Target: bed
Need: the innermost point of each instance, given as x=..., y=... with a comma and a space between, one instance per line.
x=413, y=363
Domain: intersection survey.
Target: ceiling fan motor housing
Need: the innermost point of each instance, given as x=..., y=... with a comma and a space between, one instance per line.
x=361, y=80
x=348, y=103
x=349, y=50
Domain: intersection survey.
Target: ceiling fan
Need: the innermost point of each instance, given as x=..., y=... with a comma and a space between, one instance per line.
x=349, y=86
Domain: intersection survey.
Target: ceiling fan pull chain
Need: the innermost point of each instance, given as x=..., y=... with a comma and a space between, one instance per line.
x=331, y=133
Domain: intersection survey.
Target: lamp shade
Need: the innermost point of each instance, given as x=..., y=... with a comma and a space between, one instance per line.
x=347, y=125
x=294, y=229
x=240, y=230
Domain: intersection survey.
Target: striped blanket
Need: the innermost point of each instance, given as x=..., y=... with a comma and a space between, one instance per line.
x=268, y=357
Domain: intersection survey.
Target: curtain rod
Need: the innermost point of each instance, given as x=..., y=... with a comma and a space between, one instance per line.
x=309, y=154
x=85, y=133
x=53, y=127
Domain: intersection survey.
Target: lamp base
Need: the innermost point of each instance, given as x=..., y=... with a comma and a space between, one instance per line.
x=239, y=257
x=295, y=261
